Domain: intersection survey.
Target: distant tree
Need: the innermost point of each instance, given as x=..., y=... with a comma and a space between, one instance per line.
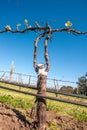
x=82, y=85
x=67, y=89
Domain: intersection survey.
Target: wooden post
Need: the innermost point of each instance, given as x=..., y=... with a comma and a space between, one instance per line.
x=11, y=71
x=29, y=80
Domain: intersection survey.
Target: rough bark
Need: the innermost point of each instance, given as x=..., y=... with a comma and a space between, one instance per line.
x=41, y=102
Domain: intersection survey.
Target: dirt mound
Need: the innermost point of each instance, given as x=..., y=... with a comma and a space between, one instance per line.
x=64, y=122
x=12, y=119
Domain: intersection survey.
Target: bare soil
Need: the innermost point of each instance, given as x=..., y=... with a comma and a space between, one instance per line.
x=12, y=119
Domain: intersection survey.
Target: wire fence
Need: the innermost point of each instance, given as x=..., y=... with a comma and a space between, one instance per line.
x=47, y=97
x=31, y=80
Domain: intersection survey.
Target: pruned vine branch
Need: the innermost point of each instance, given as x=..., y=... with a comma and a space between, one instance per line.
x=46, y=52
x=44, y=31
x=36, y=50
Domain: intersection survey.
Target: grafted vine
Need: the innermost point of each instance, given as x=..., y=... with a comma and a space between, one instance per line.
x=46, y=33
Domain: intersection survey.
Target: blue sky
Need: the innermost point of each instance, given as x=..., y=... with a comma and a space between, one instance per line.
x=67, y=53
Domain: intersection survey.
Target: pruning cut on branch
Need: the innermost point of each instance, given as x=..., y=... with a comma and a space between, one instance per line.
x=45, y=29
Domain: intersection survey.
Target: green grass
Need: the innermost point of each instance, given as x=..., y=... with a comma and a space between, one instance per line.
x=79, y=114
x=17, y=102
x=24, y=102
x=76, y=111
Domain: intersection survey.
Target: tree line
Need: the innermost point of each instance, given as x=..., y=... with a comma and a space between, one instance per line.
x=80, y=89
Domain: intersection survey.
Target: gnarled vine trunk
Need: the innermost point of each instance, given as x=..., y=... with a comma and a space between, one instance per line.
x=41, y=83
x=41, y=102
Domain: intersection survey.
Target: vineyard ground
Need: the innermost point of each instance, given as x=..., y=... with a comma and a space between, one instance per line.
x=15, y=111
x=13, y=119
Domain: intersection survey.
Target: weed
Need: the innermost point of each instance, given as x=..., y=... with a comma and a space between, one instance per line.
x=53, y=125
x=81, y=115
